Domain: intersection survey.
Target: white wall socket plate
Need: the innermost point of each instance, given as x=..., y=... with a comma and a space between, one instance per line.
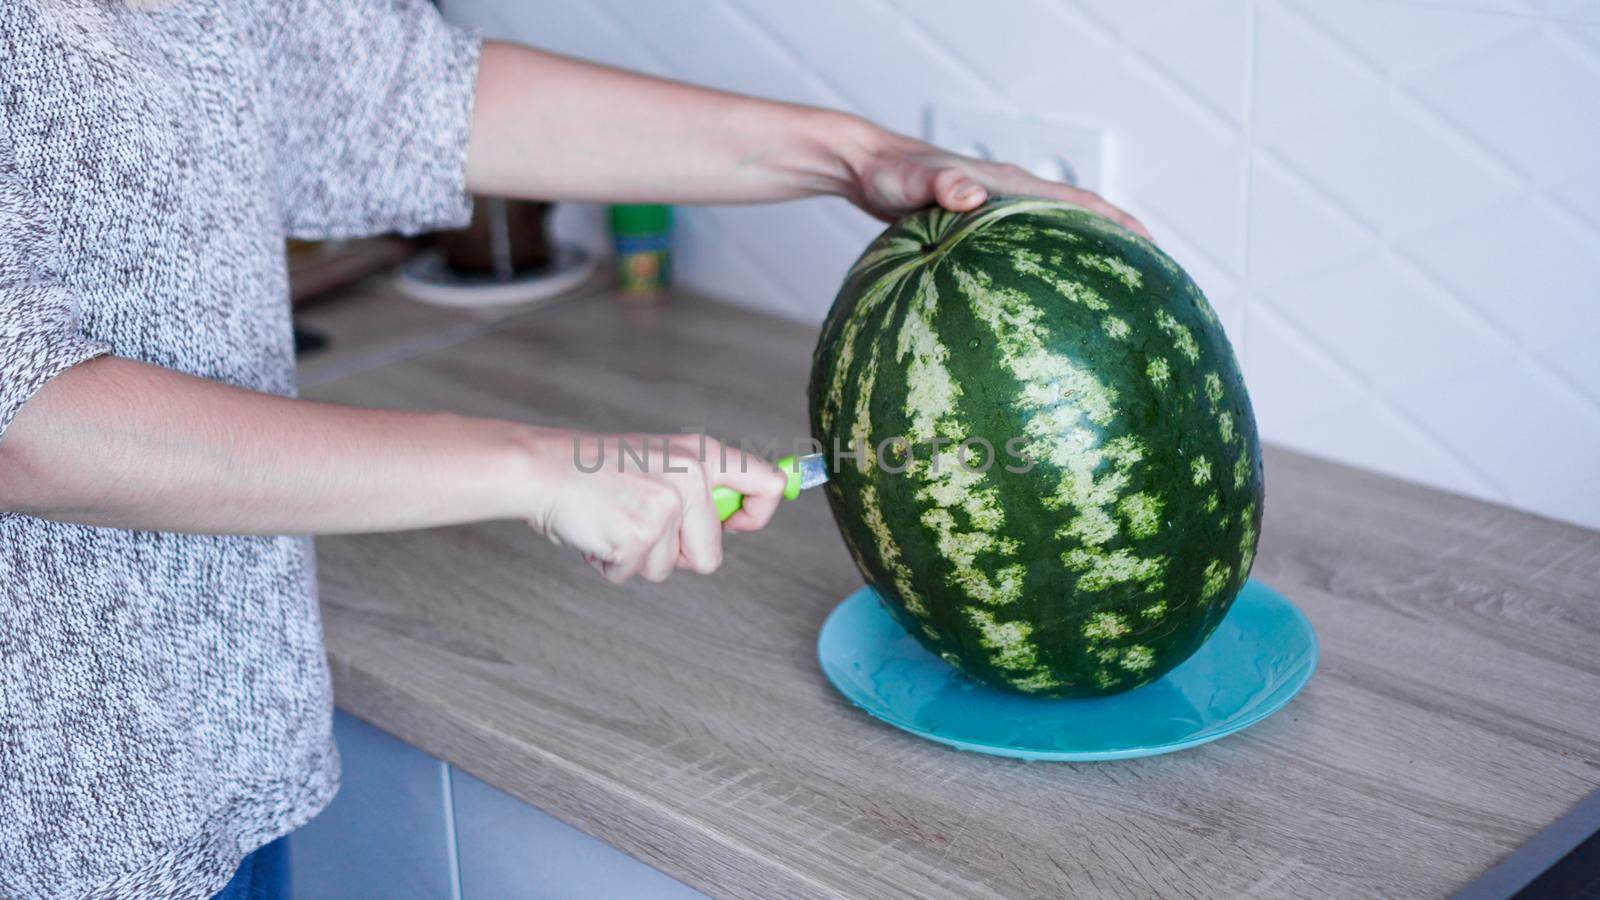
x=1081, y=155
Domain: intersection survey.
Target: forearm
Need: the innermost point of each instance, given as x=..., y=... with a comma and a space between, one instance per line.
x=554, y=128
x=117, y=443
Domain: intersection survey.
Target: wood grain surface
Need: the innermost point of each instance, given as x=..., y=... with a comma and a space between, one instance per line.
x=1455, y=711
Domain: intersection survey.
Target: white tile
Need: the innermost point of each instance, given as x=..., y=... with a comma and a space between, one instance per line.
x=1010, y=39
x=1133, y=18
x=1207, y=50
x=1370, y=435
x=867, y=54
x=1293, y=229
x=1535, y=272
x=1205, y=203
x=801, y=246
x=1306, y=90
x=705, y=260
x=1345, y=130
x=1580, y=194
x=1520, y=8
x=1159, y=128
x=1398, y=37
x=1571, y=10
x=1389, y=323
x=1530, y=435
x=582, y=224
x=562, y=26
x=1587, y=35
x=1290, y=379
x=1577, y=359
x=1523, y=100
x=745, y=59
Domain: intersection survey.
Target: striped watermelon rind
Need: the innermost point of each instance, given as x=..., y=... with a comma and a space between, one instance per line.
x=1098, y=359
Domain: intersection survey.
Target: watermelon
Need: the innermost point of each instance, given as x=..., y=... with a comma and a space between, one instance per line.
x=1044, y=458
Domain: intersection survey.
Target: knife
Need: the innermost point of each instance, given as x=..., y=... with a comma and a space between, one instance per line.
x=804, y=472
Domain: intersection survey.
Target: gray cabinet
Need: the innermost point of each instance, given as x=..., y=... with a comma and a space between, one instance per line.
x=510, y=849
x=405, y=825
x=388, y=832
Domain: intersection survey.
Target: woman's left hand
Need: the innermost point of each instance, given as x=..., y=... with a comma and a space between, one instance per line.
x=893, y=175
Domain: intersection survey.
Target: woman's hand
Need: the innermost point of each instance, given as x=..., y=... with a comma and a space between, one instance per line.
x=891, y=175
x=172, y=452
x=641, y=504
x=554, y=128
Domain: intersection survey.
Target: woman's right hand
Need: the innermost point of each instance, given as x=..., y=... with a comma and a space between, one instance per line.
x=641, y=504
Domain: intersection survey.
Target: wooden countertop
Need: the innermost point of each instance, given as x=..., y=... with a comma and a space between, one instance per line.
x=1455, y=711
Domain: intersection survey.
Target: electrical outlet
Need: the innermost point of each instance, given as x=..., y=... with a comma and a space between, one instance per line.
x=1080, y=155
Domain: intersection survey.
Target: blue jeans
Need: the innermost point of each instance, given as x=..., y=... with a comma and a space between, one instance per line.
x=263, y=875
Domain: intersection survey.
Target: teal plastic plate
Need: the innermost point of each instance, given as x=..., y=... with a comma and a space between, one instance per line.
x=1261, y=655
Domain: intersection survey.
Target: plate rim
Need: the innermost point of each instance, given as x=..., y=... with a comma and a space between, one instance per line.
x=574, y=265
x=1275, y=701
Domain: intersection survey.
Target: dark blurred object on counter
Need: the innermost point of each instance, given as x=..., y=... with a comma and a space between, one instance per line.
x=505, y=237
x=318, y=268
x=505, y=256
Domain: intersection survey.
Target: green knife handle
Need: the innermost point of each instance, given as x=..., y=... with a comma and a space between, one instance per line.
x=728, y=501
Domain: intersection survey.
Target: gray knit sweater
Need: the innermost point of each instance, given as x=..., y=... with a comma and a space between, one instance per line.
x=164, y=698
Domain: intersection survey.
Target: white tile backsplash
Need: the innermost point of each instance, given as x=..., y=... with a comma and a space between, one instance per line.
x=1507, y=97
x=1344, y=130
x=1569, y=10
x=745, y=52
x=1292, y=379
x=995, y=53
x=1402, y=37
x=1203, y=47
x=1383, y=320
x=867, y=53
x=1525, y=265
x=1586, y=34
x=1379, y=436
x=1535, y=439
x=1295, y=229
x=1579, y=194
x=1394, y=204
x=1205, y=203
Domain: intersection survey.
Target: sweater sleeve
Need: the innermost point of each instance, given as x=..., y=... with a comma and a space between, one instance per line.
x=39, y=328
x=371, y=103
